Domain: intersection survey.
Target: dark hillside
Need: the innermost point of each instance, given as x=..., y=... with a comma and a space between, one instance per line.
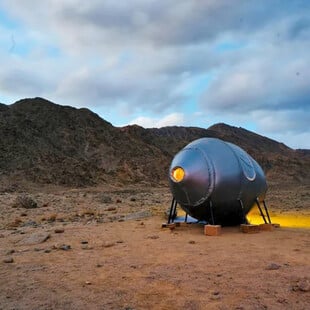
x=49, y=143
x=46, y=143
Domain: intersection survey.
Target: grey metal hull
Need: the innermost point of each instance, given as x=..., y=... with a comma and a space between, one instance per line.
x=221, y=173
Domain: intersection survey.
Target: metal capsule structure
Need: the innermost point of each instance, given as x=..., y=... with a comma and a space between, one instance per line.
x=217, y=182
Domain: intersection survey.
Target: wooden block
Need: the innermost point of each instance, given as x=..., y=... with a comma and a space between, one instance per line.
x=212, y=230
x=266, y=227
x=249, y=229
x=170, y=225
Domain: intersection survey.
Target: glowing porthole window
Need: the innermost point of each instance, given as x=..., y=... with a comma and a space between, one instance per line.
x=177, y=174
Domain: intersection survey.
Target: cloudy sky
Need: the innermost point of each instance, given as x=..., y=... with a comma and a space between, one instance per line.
x=164, y=62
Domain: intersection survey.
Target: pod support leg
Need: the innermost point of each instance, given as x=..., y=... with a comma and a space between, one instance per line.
x=266, y=210
x=211, y=212
x=243, y=214
x=172, y=211
x=261, y=211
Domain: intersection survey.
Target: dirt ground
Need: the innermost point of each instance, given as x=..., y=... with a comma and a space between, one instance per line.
x=104, y=248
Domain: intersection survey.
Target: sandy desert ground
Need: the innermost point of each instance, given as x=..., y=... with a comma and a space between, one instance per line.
x=104, y=248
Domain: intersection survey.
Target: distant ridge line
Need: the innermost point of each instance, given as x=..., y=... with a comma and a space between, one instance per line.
x=47, y=143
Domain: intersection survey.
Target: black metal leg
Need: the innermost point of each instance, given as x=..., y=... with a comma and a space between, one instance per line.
x=211, y=212
x=174, y=213
x=242, y=209
x=260, y=210
x=267, y=211
x=172, y=210
x=185, y=220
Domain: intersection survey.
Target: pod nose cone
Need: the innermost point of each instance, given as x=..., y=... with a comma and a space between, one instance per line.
x=189, y=177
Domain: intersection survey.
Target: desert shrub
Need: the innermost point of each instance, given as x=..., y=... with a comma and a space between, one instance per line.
x=52, y=217
x=17, y=222
x=24, y=201
x=88, y=211
x=105, y=199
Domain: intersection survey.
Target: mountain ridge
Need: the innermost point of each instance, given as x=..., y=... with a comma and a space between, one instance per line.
x=46, y=143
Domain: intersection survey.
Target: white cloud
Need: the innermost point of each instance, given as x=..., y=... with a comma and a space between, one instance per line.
x=294, y=141
x=173, y=119
x=282, y=121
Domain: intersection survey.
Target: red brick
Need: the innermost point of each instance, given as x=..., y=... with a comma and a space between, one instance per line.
x=212, y=230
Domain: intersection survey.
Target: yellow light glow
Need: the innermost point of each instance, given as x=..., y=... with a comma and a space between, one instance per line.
x=287, y=219
x=178, y=174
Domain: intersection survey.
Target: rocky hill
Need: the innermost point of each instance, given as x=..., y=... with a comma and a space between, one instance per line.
x=46, y=143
